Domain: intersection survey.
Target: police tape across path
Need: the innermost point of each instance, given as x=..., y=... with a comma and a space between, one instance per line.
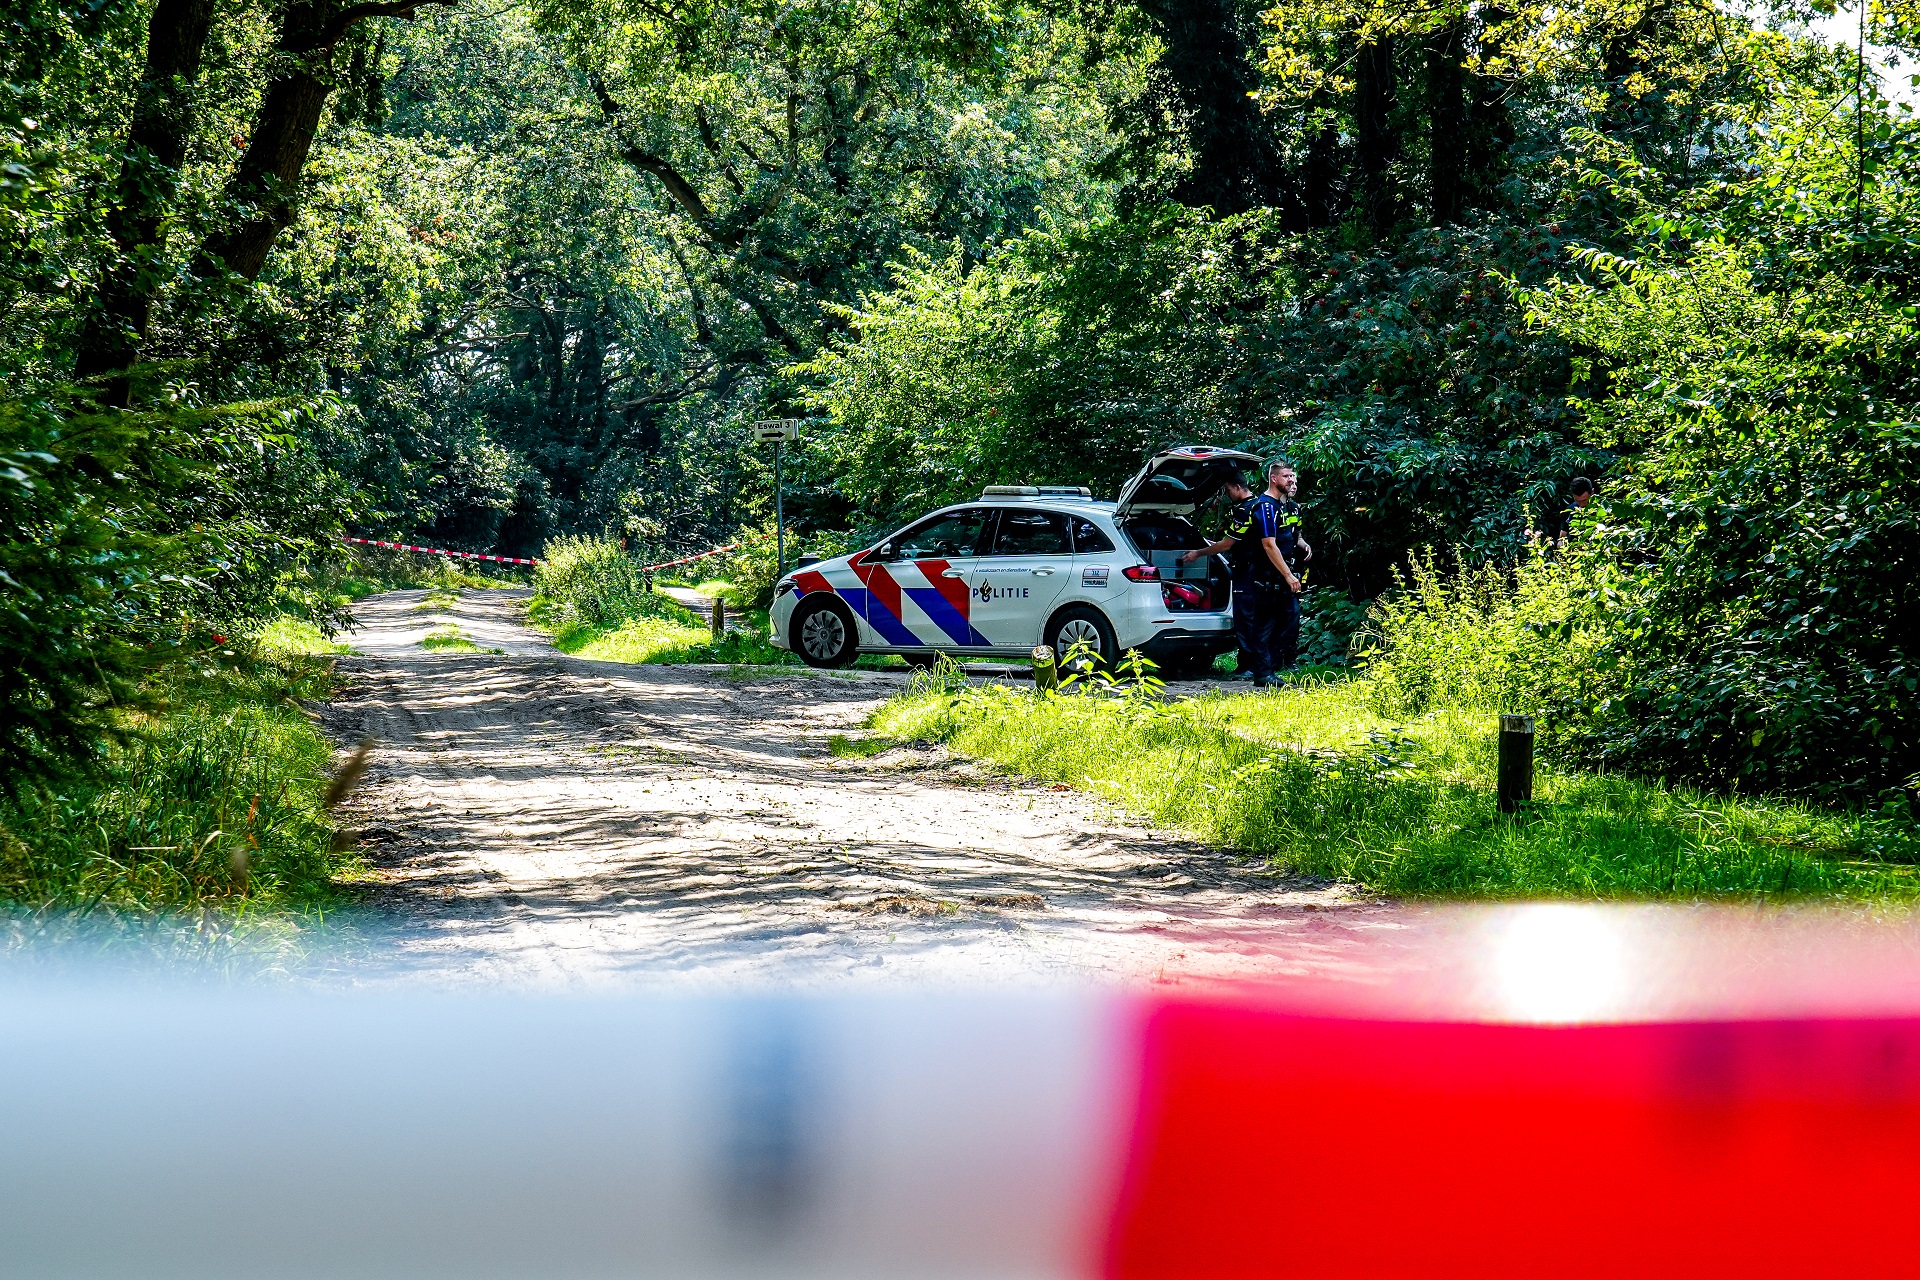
x=438, y=551
x=473, y=555
x=1551, y=1091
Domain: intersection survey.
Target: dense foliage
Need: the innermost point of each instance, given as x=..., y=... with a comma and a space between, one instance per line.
x=494, y=276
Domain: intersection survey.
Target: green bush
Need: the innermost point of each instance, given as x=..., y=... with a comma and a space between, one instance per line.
x=1330, y=619
x=1762, y=551
x=754, y=568
x=127, y=540
x=593, y=581
x=1482, y=638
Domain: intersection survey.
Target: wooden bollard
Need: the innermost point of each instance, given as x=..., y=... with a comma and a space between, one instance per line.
x=1045, y=675
x=719, y=618
x=1514, y=785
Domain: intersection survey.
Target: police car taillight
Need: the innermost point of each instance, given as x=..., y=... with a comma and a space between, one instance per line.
x=1141, y=573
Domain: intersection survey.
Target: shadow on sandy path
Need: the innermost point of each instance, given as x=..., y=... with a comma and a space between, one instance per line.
x=535, y=819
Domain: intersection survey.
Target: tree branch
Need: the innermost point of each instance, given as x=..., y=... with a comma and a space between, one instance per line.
x=682, y=191
x=328, y=33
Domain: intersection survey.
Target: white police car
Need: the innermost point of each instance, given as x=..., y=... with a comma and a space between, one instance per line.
x=1026, y=566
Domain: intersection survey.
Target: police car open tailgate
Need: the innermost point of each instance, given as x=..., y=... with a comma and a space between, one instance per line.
x=1180, y=481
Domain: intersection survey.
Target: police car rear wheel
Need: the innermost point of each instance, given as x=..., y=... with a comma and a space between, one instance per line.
x=1081, y=625
x=823, y=634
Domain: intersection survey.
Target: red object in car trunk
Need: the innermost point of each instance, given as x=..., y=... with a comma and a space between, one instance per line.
x=1178, y=595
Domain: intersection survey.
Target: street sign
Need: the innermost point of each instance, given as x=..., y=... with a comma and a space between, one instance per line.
x=774, y=431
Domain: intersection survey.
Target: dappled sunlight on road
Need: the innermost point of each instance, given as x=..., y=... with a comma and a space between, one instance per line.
x=543, y=820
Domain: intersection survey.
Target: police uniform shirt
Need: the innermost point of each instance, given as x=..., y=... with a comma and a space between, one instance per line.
x=1288, y=539
x=1239, y=527
x=1252, y=521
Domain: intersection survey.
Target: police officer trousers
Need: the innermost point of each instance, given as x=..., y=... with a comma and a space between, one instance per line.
x=1266, y=626
x=1253, y=619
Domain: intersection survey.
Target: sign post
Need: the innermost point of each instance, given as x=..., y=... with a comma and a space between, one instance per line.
x=778, y=431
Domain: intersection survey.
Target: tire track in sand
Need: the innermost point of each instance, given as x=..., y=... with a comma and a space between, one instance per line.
x=537, y=820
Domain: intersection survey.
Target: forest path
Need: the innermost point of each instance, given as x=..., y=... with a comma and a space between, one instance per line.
x=538, y=820
x=698, y=605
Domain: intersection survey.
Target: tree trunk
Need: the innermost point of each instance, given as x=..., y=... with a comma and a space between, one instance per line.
x=1489, y=123
x=1446, y=121
x=268, y=179
x=1207, y=71
x=1321, y=188
x=267, y=184
x=1376, y=141
x=149, y=177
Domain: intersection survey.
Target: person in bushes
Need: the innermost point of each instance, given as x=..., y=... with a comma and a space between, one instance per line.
x=1580, y=493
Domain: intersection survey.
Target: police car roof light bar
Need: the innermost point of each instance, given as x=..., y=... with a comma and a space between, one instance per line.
x=1036, y=491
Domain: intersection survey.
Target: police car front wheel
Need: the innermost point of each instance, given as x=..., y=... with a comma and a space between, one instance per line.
x=823, y=634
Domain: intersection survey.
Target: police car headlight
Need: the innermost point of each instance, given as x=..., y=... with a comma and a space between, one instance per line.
x=782, y=587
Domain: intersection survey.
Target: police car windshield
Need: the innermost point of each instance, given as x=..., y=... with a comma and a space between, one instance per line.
x=1162, y=533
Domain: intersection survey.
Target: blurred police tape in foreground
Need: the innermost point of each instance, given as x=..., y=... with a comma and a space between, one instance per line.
x=1540, y=1091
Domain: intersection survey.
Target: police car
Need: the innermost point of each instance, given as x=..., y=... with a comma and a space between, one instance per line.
x=1030, y=565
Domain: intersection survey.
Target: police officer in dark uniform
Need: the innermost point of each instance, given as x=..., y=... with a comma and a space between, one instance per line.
x=1282, y=483
x=1263, y=582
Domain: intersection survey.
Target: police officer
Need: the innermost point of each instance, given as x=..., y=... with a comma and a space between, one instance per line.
x=1282, y=483
x=1262, y=579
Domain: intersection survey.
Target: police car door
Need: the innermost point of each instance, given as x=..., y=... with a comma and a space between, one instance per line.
x=916, y=590
x=1022, y=569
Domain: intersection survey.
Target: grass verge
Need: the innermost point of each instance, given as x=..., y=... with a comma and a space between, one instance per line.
x=201, y=830
x=658, y=631
x=451, y=639
x=1318, y=783
x=291, y=637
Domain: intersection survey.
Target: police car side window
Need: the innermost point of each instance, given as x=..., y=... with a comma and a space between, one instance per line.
x=944, y=537
x=1030, y=533
x=1089, y=538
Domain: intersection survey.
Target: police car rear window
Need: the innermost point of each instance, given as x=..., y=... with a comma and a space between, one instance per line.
x=1090, y=538
x=1163, y=533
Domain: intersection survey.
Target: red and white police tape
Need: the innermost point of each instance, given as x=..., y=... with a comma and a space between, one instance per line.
x=470, y=555
x=731, y=546
x=668, y=564
x=1544, y=1092
x=439, y=551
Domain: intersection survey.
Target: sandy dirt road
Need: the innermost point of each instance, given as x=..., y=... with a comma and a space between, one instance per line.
x=538, y=820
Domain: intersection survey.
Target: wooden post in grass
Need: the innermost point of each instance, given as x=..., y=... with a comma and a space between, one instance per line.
x=719, y=618
x=1515, y=784
x=1045, y=676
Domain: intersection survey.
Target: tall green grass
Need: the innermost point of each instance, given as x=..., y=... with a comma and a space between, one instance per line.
x=1318, y=781
x=211, y=801
x=1483, y=638
x=593, y=581
x=1387, y=779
